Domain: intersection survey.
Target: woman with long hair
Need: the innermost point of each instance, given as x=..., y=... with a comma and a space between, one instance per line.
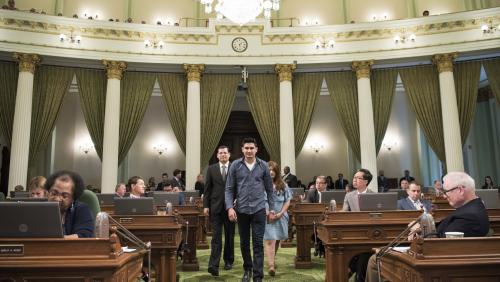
x=277, y=229
x=488, y=183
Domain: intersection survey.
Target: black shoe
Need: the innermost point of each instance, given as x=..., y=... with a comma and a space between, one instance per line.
x=246, y=276
x=228, y=266
x=213, y=271
x=257, y=280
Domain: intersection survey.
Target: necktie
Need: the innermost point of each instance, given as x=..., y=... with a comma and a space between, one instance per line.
x=224, y=172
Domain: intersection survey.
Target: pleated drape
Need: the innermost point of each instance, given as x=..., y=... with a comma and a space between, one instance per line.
x=466, y=76
x=492, y=68
x=135, y=92
x=50, y=86
x=174, y=91
x=8, y=90
x=383, y=87
x=263, y=98
x=343, y=90
x=422, y=86
x=217, y=97
x=92, y=89
x=306, y=88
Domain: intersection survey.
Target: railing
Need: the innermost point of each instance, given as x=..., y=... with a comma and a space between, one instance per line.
x=193, y=22
x=289, y=22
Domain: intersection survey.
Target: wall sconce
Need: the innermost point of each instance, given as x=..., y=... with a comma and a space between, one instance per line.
x=90, y=16
x=324, y=44
x=389, y=144
x=489, y=28
x=376, y=18
x=316, y=147
x=86, y=147
x=154, y=43
x=160, y=148
x=405, y=38
x=71, y=38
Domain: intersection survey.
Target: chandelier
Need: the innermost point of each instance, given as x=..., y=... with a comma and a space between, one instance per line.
x=241, y=11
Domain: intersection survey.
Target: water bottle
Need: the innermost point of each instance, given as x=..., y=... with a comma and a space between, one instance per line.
x=333, y=205
x=191, y=199
x=169, y=208
x=102, y=225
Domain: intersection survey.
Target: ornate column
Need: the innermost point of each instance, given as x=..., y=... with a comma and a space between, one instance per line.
x=449, y=109
x=114, y=71
x=287, y=129
x=21, y=128
x=193, y=124
x=366, y=126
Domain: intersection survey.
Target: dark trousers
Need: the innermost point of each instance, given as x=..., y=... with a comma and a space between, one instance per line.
x=219, y=220
x=257, y=222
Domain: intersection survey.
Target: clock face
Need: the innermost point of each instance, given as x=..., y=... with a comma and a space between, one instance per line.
x=239, y=44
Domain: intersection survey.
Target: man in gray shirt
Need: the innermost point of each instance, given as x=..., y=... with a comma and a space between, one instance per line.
x=247, y=180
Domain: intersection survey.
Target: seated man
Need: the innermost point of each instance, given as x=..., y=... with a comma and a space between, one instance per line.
x=413, y=201
x=120, y=190
x=36, y=187
x=66, y=187
x=470, y=216
x=168, y=188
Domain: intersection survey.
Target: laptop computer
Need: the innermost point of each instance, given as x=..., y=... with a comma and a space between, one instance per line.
x=401, y=193
x=327, y=196
x=106, y=199
x=134, y=206
x=489, y=197
x=19, y=194
x=378, y=201
x=30, y=220
x=160, y=198
x=30, y=199
x=297, y=191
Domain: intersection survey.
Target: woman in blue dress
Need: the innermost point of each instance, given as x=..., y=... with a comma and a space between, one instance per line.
x=277, y=229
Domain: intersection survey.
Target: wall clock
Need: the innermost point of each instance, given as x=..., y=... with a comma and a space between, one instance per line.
x=239, y=44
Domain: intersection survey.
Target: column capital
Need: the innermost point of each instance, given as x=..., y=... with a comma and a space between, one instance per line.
x=444, y=62
x=194, y=72
x=114, y=69
x=27, y=62
x=362, y=68
x=285, y=71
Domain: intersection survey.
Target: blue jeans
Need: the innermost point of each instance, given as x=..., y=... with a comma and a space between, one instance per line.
x=257, y=222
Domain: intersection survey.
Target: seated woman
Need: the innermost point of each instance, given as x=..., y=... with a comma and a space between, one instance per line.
x=36, y=187
x=66, y=187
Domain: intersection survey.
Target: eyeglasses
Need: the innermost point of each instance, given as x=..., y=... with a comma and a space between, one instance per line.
x=445, y=192
x=55, y=193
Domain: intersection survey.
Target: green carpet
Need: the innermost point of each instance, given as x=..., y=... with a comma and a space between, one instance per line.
x=284, y=260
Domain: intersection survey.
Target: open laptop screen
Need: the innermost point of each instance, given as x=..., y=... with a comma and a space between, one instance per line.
x=134, y=206
x=378, y=201
x=327, y=196
x=30, y=219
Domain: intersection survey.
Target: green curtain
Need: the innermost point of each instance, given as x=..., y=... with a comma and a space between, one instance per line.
x=135, y=91
x=343, y=90
x=92, y=89
x=466, y=76
x=383, y=87
x=49, y=88
x=492, y=68
x=306, y=88
x=174, y=90
x=217, y=97
x=8, y=91
x=422, y=86
x=263, y=98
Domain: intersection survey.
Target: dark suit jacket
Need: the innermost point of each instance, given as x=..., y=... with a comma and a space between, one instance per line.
x=407, y=205
x=215, y=186
x=383, y=184
x=337, y=184
x=312, y=196
x=79, y=220
x=471, y=219
x=177, y=183
x=291, y=181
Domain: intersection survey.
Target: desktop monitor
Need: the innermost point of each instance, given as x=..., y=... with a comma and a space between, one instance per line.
x=106, y=199
x=489, y=197
x=378, y=201
x=189, y=194
x=30, y=220
x=30, y=199
x=19, y=194
x=401, y=193
x=297, y=191
x=327, y=196
x=134, y=206
x=160, y=198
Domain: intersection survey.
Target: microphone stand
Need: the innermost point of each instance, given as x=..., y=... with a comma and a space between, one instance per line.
x=121, y=230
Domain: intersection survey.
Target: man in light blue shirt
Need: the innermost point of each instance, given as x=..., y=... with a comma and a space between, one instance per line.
x=247, y=180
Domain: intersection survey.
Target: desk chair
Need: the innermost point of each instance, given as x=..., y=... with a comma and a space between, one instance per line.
x=88, y=197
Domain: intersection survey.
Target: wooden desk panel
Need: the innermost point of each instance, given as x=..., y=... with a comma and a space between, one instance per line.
x=86, y=259
x=189, y=217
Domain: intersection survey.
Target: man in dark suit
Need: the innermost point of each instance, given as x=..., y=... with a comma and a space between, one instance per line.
x=413, y=201
x=213, y=203
x=177, y=180
x=407, y=177
x=289, y=178
x=382, y=182
x=314, y=194
x=164, y=181
x=341, y=183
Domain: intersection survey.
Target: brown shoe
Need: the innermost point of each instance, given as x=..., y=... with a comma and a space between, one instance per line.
x=271, y=271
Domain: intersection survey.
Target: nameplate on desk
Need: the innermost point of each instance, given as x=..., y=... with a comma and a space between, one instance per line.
x=11, y=250
x=126, y=220
x=375, y=215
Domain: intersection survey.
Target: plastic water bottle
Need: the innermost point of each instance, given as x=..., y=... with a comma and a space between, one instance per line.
x=333, y=205
x=169, y=208
x=102, y=225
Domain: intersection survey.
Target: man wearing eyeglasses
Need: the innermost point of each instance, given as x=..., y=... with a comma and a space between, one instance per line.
x=360, y=182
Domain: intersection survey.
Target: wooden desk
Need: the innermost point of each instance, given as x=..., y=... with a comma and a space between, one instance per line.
x=164, y=233
x=201, y=235
x=189, y=214
x=69, y=260
x=346, y=234
x=462, y=260
x=305, y=214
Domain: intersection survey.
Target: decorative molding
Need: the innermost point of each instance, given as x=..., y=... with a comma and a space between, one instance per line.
x=27, y=62
x=362, y=68
x=194, y=72
x=285, y=71
x=444, y=62
x=114, y=69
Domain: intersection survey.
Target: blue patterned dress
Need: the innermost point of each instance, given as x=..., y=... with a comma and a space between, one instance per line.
x=278, y=230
